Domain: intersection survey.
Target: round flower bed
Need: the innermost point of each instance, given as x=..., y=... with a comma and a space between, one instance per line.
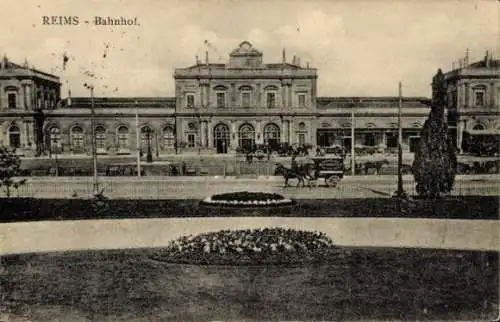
x=249, y=247
x=247, y=199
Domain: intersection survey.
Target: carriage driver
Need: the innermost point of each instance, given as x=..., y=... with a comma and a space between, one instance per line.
x=295, y=166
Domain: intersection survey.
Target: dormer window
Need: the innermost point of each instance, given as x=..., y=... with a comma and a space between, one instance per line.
x=190, y=100
x=12, y=100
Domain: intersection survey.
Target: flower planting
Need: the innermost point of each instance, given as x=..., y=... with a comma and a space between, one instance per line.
x=247, y=199
x=249, y=247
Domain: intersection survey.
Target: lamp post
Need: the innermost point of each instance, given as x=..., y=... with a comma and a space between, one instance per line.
x=149, y=156
x=55, y=155
x=400, y=194
x=353, y=124
x=137, y=139
x=94, y=148
x=157, y=147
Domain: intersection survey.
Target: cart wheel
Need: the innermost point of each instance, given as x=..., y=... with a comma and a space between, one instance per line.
x=332, y=181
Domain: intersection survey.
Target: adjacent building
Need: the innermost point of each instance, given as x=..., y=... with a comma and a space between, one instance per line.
x=474, y=101
x=224, y=108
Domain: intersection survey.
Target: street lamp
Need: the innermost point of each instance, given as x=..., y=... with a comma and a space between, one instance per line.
x=149, y=156
x=94, y=147
x=54, y=140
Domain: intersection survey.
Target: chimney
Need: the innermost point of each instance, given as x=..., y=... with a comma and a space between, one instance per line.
x=466, y=57
x=4, y=62
x=298, y=61
x=307, y=65
x=206, y=57
x=294, y=60
x=487, y=59
x=69, y=97
x=197, y=60
x=284, y=57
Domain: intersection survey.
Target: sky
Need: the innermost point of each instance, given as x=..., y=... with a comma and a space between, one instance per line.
x=360, y=48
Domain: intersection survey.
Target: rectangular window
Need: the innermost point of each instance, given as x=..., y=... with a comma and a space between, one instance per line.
x=302, y=139
x=413, y=142
x=245, y=99
x=100, y=141
x=392, y=140
x=271, y=100
x=77, y=141
x=123, y=141
x=12, y=98
x=302, y=100
x=191, y=140
x=479, y=98
x=190, y=101
x=221, y=100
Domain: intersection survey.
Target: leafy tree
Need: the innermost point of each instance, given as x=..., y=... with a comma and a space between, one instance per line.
x=10, y=164
x=435, y=162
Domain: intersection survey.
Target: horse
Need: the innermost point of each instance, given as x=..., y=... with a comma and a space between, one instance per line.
x=303, y=172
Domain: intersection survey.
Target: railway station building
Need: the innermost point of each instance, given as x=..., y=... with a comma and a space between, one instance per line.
x=222, y=108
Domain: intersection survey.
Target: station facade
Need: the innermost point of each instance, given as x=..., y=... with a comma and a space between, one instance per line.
x=217, y=108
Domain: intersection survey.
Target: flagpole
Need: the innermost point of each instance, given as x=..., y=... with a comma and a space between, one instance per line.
x=137, y=138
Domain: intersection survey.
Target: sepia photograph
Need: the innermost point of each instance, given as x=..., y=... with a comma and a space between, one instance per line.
x=237, y=160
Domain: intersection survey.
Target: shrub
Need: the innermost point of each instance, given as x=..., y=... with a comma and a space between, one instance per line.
x=248, y=196
x=250, y=246
x=10, y=164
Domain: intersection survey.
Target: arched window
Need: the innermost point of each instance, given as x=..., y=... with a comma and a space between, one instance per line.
x=168, y=136
x=222, y=137
x=246, y=136
x=123, y=141
x=146, y=135
x=77, y=137
x=14, y=137
x=54, y=138
x=478, y=127
x=271, y=134
x=100, y=137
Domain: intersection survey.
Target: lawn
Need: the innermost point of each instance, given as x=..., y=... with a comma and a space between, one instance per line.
x=27, y=209
x=355, y=283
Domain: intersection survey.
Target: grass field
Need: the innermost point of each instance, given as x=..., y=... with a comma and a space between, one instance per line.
x=355, y=283
x=27, y=209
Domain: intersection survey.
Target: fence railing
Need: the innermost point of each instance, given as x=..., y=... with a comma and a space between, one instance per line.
x=216, y=167
x=196, y=187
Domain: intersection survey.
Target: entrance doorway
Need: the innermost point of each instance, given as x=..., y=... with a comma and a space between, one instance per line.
x=246, y=137
x=222, y=138
x=272, y=136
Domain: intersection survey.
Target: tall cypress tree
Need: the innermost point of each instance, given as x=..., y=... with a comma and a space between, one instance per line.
x=435, y=163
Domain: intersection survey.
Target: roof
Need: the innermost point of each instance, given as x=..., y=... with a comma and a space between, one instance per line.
x=371, y=101
x=120, y=102
x=7, y=67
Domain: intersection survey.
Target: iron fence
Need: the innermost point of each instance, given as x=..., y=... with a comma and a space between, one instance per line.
x=198, y=187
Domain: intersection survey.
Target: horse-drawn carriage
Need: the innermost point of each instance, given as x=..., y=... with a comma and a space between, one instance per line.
x=330, y=168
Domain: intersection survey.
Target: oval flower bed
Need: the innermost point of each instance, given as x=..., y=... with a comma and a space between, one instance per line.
x=245, y=199
x=249, y=247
